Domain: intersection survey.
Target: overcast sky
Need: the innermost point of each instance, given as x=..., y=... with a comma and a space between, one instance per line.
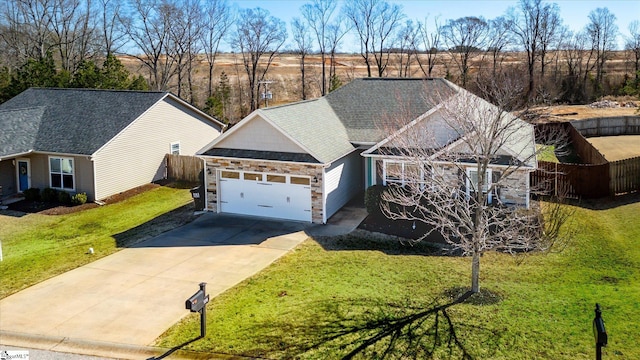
x=573, y=12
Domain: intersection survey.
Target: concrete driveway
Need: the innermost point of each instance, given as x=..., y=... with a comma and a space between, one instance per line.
x=133, y=296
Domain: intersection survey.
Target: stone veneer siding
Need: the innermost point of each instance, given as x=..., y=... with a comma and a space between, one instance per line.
x=273, y=167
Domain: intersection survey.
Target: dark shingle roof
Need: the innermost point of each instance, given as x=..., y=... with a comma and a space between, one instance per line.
x=262, y=155
x=363, y=105
x=72, y=121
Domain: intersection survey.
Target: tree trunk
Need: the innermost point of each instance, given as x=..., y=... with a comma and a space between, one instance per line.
x=475, y=273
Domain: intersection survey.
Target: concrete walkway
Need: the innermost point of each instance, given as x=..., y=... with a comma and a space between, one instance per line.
x=126, y=300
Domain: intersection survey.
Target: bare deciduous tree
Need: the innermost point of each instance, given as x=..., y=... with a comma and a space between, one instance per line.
x=529, y=24
x=335, y=32
x=302, y=41
x=259, y=36
x=498, y=40
x=632, y=44
x=318, y=15
x=457, y=169
x=602, y=31
x=148, y=29
x=74, y=30
x=406, y=42
x=579, y=60
x=430, y=40
x=375, y=21
x=465, y=37
x=113, y=33
x=218, y=18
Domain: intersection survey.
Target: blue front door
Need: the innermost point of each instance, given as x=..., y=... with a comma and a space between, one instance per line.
x=23, y=175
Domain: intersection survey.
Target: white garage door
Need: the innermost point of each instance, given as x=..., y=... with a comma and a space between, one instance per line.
x=262, y=194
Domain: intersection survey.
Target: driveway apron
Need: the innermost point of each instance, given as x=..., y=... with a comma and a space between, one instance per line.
x=134, y=295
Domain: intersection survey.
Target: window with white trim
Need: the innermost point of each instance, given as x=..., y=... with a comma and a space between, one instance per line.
x=403, y=172
x=61, y=173
x=472, y=182
x=175, y=148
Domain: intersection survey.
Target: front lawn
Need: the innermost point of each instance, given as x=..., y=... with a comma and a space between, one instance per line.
x=329, y=296
x=36, y=247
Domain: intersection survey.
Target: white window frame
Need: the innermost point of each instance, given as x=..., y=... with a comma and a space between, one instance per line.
x=73, y=173
x=171, y=151
x=403, y=180
x=487, y=183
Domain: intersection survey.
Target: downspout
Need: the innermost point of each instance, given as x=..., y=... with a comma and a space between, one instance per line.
x=204, y=180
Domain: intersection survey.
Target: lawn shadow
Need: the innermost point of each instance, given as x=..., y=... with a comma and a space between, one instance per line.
x=174, y=349
x=606, y=203
x=385, y=243
x=156, y=226
x=381, y=330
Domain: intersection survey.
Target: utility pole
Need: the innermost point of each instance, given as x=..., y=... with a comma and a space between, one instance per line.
x=266, y=95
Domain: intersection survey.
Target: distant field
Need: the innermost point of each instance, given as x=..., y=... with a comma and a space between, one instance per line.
x=617, y=147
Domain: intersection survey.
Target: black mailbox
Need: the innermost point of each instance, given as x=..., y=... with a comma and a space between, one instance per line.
x=196, y=302
x=599, y=331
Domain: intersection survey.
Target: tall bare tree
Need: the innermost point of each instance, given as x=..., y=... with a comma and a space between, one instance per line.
x=302, y=40
x=430, y=41
x=406, y=46
x=335, y=33
x=73, y=24
x=375, y=22
x=183, y=44
x=218, y=19
x=318, y=15
x=458, y=166
x=497, y=40
x=465, y=37
x=632, y=44
x=259, y=37
x=579, y=60
x=602, y=30
x=530, y=23
x=113, y=34
x=148, y=28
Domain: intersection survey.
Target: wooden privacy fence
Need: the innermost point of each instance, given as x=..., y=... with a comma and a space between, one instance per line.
x=571, y=180
x=184, y=168
x=624, y=175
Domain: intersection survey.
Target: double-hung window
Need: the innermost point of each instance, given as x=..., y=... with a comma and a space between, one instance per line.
x=473, y=186
x=403, y=173
x=175, y=148
x=61, y=173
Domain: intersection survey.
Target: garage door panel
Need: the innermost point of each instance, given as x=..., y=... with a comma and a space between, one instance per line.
x=267, y=199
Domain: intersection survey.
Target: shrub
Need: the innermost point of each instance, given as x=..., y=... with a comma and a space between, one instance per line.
x=32, y=194
x=79, y=199
x=49, y=195
x=372, y=199
x=64, y=197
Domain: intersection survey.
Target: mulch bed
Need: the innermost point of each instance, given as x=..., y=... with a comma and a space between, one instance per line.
x=55, y=208
x=401, y=228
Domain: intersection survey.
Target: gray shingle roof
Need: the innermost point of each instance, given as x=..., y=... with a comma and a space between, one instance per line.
x=363, y=105
x=72, y=121
x=315, y=126
x=262, y=155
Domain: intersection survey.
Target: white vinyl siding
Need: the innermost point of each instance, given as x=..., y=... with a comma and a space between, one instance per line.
x=136, y=156
x=257, y=134
x=342, y=181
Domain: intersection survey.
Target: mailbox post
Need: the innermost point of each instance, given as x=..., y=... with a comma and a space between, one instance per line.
x=599, y=332
x=197, y=303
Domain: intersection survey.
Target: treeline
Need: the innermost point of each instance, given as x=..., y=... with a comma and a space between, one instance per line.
x=75, y=42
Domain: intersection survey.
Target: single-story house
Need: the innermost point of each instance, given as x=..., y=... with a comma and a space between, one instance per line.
x=98, y=142
x=305, y=160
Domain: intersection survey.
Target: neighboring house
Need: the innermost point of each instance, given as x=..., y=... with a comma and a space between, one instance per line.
x=304, y=161
x=100, y=142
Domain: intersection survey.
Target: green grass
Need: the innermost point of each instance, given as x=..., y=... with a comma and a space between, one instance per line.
x=327, y=296
x=547, y=153
x=37, y=247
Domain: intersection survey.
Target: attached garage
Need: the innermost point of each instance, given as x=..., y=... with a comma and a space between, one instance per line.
x=279, y=196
